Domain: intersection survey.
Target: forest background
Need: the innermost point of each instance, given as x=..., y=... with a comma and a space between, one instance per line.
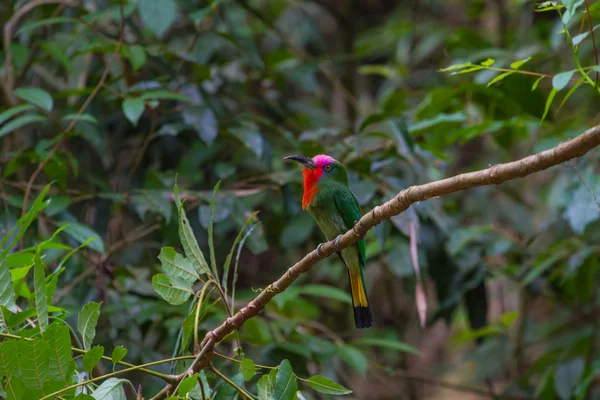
x=144, y=199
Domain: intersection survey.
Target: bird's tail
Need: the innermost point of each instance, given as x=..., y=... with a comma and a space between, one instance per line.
x=362, y=311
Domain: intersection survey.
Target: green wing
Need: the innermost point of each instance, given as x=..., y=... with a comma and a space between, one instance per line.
x=348, y=207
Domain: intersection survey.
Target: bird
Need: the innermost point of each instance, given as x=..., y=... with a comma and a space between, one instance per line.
x=327, y=197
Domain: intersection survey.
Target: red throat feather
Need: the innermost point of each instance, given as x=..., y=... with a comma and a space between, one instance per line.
x=311, y=177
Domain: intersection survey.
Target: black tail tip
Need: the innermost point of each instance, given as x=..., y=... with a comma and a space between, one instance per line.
x=363, y=317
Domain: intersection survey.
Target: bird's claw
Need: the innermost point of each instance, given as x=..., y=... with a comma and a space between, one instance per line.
x=319, y=249
x=336, y=242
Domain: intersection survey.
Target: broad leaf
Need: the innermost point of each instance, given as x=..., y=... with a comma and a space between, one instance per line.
x=174, y=290
x=111, y=389
x=60, y=361
x=11, y=112
x=92, y=357
x=187, y=385
x=285, y=382
x=133, y=107
x=86, y=323
x=33, y=357
x=20, y=122
x=247, y=368
x=83, y=234
x=176, y=265
x=327, y=386
x=559, y=81
x=35, y=96
x=157, y=16
x=118, y=354
x=39, y=285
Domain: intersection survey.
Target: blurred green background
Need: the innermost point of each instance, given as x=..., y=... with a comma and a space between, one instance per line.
x=210, y=91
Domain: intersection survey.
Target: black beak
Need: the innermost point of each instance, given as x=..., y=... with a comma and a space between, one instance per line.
x=307, y=162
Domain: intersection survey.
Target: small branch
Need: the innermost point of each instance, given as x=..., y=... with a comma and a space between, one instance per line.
x=495, y=175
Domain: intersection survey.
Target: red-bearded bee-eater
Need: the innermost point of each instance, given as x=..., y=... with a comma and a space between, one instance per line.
x=329, y=200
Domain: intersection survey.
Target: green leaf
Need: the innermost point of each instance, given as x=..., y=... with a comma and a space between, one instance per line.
x=83, y=117
x=7, y=292
x=56, y=204
x=11, y=112
x=111, y=389
x=353, y=357
x=39, y=285
x=60, y=361
x=133, y=108
x=567, y=377
x=136, y=56
x=82, y=234
x=326, y=386
x=388, y=344
x=328, y=292
x=456, y=67
x=250, y=138
x=549, y=101
x=86, y=323
x=164, y=95
x=519, y=63
x=118, y=354
x=92, y=357
x=187, y=385
x=211, y=247
x=285, y=382
x=509, y=318
x=577, y=39
x=559, y=81
x=188, y=240
x=20, y=122
x=157, y=16
x=35, y=96
x=536, y=83
x=488, y=63
x=176, y=265
x=197, y=392
x=266, y=385
x=8, y=358
x=247, y=368
x=33, y=356
x=499, y=78
x=174, y=290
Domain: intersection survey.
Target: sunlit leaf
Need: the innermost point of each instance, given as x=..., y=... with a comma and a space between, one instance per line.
x=118, y=354
x=187, y=384
x=247, y=368
x=327, y=386
x=110, y=389
x=488, y=63
x=92, y=357
x=560, y=80
x=86, y=323
x=517, y=64
x=499, y=78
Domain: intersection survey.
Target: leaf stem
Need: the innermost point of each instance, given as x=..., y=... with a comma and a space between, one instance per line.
x=230, y=382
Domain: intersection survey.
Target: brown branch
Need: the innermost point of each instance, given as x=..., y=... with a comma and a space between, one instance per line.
x=8, y=32
x=494, y=175
x=85, y=105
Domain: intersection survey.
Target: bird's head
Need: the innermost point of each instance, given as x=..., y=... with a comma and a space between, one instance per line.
x=319, y=171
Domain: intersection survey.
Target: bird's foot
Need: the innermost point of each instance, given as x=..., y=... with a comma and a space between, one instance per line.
x=319, y=249
x=336, y=242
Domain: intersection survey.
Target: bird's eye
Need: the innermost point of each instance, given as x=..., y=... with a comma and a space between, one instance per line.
x=328, y=168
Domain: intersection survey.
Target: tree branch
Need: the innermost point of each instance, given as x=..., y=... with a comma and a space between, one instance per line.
x=494, y=175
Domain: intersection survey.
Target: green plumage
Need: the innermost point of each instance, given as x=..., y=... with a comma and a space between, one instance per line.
x=336, y=210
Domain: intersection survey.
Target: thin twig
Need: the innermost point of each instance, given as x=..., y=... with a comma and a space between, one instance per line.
x=85, y=105
x=230, y=382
